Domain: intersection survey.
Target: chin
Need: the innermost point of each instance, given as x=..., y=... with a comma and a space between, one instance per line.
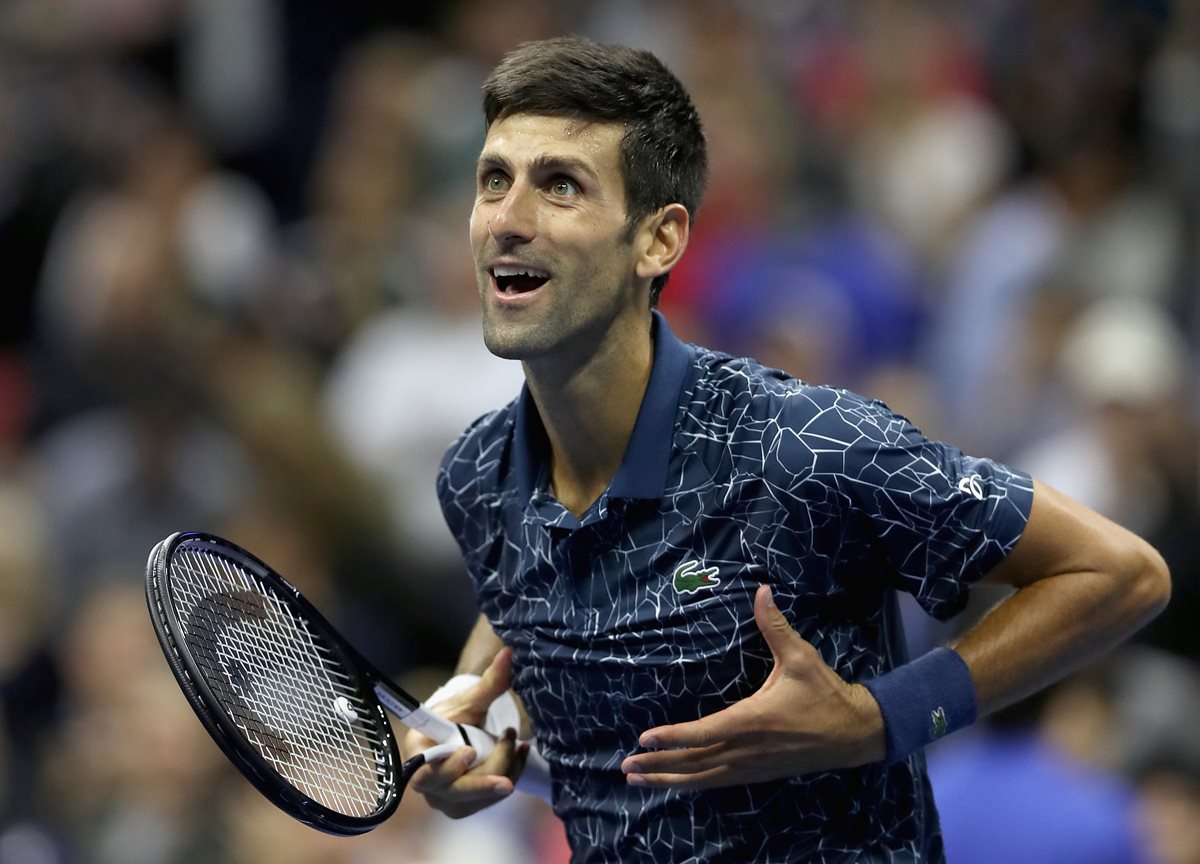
x=504, y=351
x=512, y=343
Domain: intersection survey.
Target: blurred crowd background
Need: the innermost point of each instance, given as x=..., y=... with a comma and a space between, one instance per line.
x=236, y=296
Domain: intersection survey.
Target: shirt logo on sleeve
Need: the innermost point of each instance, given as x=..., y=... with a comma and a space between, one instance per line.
x=690, y=577
x=971, y=485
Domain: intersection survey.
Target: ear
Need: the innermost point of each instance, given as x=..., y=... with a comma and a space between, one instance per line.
x=661, y=240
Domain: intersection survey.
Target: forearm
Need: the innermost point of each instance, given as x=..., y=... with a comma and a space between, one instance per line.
x=481, y=647
x=1055, y=625
x=1083, y=584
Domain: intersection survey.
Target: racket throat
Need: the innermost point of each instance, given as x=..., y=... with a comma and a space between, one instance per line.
x=420, y=719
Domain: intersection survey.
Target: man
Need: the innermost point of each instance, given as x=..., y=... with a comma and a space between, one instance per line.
x=686, y=563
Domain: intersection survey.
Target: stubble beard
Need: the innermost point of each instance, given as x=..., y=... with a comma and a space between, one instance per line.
x=526, y=339
x=516, y=342
x=557, y=326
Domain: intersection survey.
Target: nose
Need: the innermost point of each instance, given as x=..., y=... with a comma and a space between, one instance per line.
x=515, y=218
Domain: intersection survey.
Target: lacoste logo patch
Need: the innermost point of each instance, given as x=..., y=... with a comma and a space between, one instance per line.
x=937, y=723
x=691, y=577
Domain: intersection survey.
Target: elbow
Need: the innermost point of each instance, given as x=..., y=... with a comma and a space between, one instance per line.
x=1148, y=581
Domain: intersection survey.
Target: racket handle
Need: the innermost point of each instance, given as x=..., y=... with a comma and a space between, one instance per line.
x=438, y=752
x=422, y=720
x=483, y=741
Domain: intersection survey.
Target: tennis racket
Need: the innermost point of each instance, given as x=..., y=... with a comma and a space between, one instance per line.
x=287, y=699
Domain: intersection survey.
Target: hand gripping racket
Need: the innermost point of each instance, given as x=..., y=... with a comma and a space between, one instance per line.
x=287, y=699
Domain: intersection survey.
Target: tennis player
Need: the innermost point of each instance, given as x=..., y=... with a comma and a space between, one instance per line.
x=687, y=564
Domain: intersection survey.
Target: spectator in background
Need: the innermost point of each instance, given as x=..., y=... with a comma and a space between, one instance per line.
x=394, y=424
x=1067, y=83
x=1126, y=440
x=131, y=458
x=1169, y=788
x=29, y=675
x=130, y=773
x=351, y=255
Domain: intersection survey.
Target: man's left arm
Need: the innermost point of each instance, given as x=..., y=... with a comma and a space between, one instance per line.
x=1083, y=584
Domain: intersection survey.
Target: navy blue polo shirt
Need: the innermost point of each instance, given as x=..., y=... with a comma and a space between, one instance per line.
x=640, y=613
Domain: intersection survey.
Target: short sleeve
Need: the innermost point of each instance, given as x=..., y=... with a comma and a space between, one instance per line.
x=941, y=519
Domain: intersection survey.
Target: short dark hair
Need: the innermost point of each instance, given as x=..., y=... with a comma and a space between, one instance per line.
x=663, y=153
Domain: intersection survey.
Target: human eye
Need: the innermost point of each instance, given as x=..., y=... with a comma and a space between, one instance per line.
x=564, y=187
x=494, y=182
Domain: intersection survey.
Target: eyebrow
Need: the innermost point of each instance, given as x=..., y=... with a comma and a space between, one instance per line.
x=544, y=163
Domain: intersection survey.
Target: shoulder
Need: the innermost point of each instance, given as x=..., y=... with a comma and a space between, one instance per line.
x=747, y=399
x=477, y=458
x=740, y=388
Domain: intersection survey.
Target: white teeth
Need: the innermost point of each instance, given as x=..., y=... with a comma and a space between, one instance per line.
x=500, y=271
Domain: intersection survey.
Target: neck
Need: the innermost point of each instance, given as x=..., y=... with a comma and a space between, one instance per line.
x=589, y=412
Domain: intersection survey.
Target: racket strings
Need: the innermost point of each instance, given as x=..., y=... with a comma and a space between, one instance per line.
x=308, y=760
x=284, y=689
x=303, y=725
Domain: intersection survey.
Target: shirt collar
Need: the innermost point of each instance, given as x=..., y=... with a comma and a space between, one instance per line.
x=643, y=471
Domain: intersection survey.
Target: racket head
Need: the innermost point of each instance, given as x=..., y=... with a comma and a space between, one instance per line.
x=276, y=687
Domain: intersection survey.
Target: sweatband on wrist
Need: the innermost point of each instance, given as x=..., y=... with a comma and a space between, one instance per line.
x=503, y=714
x=924, y=700
x=455, y=685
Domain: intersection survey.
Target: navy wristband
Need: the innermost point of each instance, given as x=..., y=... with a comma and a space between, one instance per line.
x=924, y=700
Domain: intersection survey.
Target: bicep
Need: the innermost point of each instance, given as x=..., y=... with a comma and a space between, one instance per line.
x=1083, y=583
x=1064, y=536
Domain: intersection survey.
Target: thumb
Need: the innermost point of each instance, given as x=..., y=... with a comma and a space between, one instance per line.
x=497, y=677
x=781, y=638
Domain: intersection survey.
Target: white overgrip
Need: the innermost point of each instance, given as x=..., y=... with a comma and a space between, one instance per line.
x=421, y=719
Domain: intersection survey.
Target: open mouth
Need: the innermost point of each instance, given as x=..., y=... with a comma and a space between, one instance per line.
x=511, y=281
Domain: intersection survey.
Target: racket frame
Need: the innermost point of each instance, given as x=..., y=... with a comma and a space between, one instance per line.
x=232, y=740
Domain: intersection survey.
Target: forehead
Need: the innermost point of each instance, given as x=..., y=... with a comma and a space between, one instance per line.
x=525, y=138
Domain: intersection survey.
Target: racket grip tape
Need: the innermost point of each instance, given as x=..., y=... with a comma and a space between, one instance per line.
x=483, y=742
x=467, y=736
x=421, y=719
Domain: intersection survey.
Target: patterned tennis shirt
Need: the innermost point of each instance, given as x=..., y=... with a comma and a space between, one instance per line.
x=640, y=613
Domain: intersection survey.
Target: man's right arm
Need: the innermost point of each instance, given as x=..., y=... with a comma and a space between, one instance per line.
x=454, y=785
x=479, y=650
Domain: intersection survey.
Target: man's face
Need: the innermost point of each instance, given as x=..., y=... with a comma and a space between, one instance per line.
x=553, y=262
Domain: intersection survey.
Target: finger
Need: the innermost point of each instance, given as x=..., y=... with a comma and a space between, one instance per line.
x=457, y=778
x=516, y=753
x=691, y=760
x=438, y=752
x=781, y=637
x=470, y=792
x=433, y=776
x=413, y=743
x=724, y=725
x=504, y=760
x=497, y=678
x=718, y=776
